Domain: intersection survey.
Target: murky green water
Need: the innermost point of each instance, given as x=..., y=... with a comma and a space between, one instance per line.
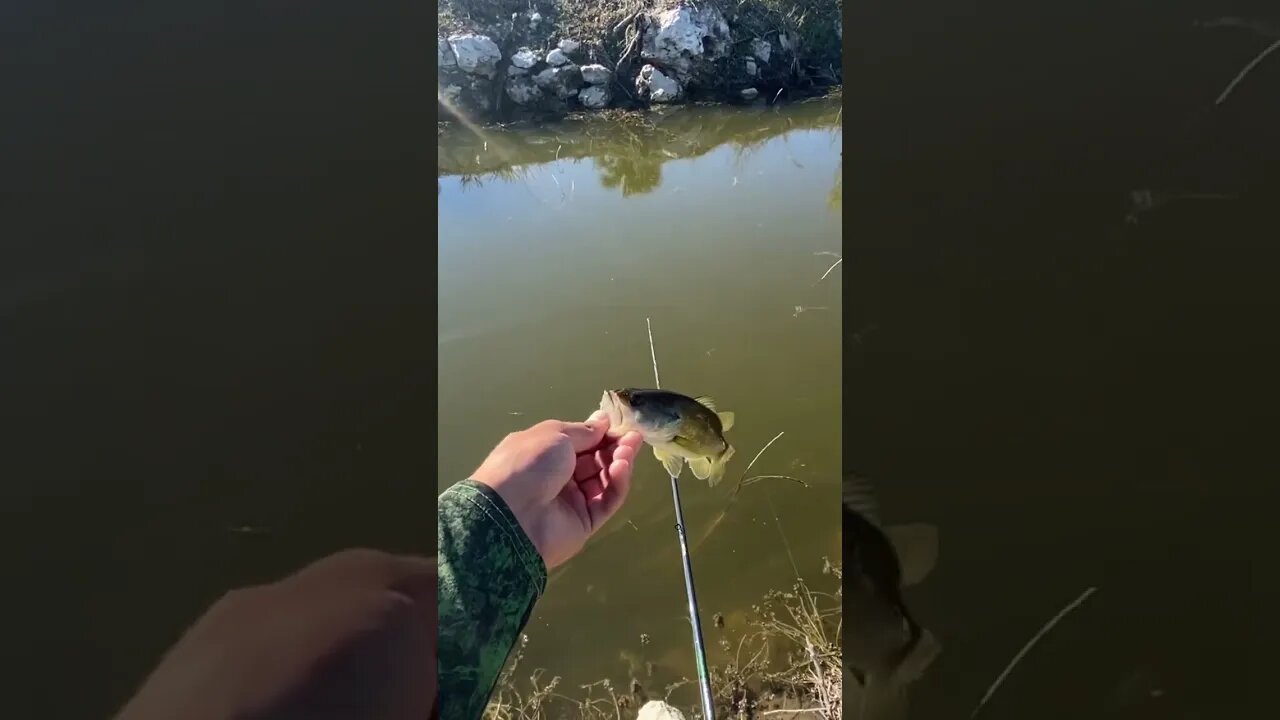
x=717, y=224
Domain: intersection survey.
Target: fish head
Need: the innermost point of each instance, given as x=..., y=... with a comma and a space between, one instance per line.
x=644, y=410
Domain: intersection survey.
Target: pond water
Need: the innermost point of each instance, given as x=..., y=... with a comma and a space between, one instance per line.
x=719, y=226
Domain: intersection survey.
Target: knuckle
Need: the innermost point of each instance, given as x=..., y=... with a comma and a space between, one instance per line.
x=548, y=426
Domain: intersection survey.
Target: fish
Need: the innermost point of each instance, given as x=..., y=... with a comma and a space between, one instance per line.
x=884, y=647
x=679, y=428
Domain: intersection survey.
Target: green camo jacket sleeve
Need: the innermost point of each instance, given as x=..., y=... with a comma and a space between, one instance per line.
x=490, y=577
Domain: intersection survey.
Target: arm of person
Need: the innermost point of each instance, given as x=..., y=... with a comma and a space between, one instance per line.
x=530, y=506
x=490, y=577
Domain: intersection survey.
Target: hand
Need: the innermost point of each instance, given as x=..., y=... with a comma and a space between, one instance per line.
x=562, y=481
x=352, y=635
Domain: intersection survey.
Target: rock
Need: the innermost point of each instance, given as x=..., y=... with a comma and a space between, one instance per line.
x=595, y=97
x=569, y=46
x=557, y=57
x=476, y=54
x=563, y=81
x=762, y=49
x=658, y=710
x=444, y=54
x=535, y=19
x=839, y=29
x=513, y=70
x=524, y=58
x=523, y=90
x=749, y=93
x=784, y=42
x=657, y=86
x=686, y=40
x=451, y=93
x=752, y=70
x=596, y=74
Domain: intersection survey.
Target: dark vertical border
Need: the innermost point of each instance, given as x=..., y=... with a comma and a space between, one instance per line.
x=240, y=122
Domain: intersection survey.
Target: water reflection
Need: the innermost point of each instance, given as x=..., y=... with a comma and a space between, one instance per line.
x=629, y=151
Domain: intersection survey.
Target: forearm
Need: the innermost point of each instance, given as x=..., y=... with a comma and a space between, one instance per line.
x=490, y=577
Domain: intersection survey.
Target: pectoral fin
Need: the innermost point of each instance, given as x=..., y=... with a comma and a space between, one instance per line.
x=718, y=465
x=726, y=420
x=672, y=463
x=701, y=467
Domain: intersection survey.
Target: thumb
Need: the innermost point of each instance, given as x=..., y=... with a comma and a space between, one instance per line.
x=583, y=436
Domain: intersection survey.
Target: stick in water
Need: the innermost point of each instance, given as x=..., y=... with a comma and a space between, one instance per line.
x=1026, y=648
x=699, y=648
x=656, y=382
x=828, y=272
x=1247, y=69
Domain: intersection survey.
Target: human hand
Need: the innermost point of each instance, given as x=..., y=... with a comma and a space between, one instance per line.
x=562, y=481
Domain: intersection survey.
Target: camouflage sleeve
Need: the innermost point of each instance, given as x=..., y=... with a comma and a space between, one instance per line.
x=490, y=576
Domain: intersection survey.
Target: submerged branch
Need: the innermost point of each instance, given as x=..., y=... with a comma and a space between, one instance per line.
x=1026, y=648
x=1247, y=69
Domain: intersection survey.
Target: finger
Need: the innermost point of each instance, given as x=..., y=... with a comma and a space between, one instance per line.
x=594, y=485
x=631, y=439
x=583, y=436
x=587, y=467
x=605, y=505
x=624, y=452
x=590, y=464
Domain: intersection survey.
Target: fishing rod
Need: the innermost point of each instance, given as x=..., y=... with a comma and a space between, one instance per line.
x=699, y=648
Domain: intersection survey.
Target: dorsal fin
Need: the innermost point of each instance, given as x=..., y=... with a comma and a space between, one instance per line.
x=706, y=402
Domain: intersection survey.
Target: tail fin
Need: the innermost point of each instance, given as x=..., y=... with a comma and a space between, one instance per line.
x=718, y=466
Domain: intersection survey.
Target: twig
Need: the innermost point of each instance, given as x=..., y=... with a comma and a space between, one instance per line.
x=652, y=354
x=828, y=272
x=743, y=481
x=631, y=45
x=618, y=28
x=1026, y=648
x=758, y=478
x=757, y=457
x=1257, y=27
x=1247, y=68
x=794, y=712
x=817, y=674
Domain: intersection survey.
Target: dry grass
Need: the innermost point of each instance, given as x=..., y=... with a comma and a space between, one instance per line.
x=786, y=662
x=454, y=16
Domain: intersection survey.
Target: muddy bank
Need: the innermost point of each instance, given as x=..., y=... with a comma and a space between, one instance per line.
x=508, y=59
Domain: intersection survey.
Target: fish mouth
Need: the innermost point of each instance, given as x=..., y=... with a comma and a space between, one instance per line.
x=613, y=405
